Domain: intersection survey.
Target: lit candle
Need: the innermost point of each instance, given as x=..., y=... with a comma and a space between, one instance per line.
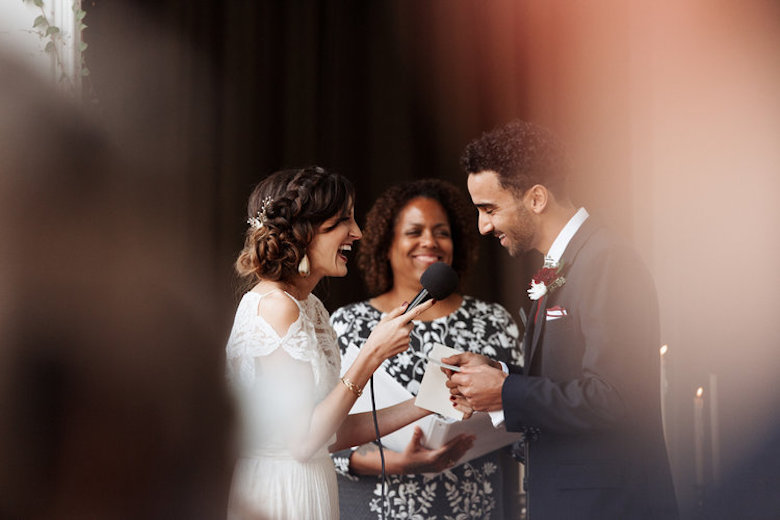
x=698, y=435
x=714, y=428
x=664, y=388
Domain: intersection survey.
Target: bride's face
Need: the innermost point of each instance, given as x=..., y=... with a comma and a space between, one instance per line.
x=331, y=244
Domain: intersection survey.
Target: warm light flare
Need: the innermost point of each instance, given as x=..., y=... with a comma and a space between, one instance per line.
x=664, y=349
x=700, y=392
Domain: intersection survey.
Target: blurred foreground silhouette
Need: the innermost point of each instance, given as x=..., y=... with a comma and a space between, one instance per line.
x=112, y=391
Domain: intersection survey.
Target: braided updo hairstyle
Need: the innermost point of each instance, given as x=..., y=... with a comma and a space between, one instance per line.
x=300, y=201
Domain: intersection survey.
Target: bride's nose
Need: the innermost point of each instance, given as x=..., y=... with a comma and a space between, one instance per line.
x=355, y=231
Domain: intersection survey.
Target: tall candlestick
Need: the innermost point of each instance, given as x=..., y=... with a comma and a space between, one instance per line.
x=664, y=389
x=698, y=435
x=714, y=428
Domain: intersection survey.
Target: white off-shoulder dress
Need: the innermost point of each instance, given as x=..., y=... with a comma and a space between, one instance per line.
x=277, y=382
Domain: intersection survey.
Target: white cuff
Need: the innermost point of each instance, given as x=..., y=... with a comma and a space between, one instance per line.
x=497, y=418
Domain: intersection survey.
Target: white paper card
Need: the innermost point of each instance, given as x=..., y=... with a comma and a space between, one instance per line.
x=434, y=394
x=388, y=392
x=437, y=430
x=488, y=437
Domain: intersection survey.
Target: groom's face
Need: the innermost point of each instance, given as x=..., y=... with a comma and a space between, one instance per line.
x=501, y=213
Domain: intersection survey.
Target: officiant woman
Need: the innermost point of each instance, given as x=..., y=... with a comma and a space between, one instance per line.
x=410, y=227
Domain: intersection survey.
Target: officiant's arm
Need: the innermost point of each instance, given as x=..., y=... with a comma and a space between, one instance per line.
x=415, y=458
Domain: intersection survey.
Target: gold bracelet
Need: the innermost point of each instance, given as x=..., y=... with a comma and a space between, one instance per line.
x=355, y=389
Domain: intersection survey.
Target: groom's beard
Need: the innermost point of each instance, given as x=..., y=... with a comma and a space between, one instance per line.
x=520, y=236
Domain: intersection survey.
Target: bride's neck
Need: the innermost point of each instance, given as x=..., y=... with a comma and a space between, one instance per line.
x=298, y=288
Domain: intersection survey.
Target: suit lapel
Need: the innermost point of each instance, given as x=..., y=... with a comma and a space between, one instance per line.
x=528, y=337
x=538, y=315
x=577, y=241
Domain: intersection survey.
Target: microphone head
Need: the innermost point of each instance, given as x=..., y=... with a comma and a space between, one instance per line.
x=440, y=280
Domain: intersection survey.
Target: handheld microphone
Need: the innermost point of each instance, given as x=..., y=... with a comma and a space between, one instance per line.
x=438, y=281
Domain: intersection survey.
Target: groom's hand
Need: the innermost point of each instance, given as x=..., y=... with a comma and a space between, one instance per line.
x=479, y=384
x=468, y=359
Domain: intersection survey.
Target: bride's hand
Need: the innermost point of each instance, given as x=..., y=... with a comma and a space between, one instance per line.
x=391, y=335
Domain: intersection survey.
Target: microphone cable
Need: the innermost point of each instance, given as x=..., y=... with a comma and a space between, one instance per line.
x=383, y=482
x=439, y=281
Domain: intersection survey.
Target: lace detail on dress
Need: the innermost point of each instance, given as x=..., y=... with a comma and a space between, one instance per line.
x=310, y=338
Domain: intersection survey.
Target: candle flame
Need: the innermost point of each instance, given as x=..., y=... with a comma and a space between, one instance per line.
x=700, y=392
x=664, y=349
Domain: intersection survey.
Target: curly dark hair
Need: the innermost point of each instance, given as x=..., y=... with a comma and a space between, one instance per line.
x=379, y=231
x=301, y=200
x=522, y=154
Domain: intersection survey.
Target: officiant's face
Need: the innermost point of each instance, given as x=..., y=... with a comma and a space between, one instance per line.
x=421, y=237
x=502, y=213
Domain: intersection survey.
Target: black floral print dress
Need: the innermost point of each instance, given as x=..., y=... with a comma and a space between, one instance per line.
x=471, y=490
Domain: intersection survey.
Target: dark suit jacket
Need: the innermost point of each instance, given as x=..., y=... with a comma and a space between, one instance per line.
x=591, y=390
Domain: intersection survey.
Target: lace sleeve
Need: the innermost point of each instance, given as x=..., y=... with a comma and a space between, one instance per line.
x=248, y=340
x=309, y=339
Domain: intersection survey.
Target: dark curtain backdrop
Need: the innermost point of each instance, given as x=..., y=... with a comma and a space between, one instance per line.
x=381, y=91
x=221, y=93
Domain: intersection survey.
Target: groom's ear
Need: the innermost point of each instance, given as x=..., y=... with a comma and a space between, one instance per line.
x=537, y=198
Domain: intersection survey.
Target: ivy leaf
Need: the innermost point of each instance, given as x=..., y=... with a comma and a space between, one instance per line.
x=80, y=15
x=83, y=46
x=40, y=21
x=38, y=3
x=52, y=29
x=49, y=47
x=85, y=72
x=82, y=26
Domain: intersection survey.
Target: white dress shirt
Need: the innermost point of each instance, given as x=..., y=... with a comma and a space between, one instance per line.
x=551, y=259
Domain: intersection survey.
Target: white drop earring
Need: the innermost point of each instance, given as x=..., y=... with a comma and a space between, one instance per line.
x=303, y=268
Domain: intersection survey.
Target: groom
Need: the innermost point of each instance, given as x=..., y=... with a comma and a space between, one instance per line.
x=588, y=399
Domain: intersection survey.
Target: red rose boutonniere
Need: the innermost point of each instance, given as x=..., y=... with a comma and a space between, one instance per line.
x=546, y=280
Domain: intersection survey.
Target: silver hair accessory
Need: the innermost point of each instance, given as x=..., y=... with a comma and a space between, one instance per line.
x=262, y=215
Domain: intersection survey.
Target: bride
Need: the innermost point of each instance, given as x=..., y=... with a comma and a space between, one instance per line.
x=283, y=359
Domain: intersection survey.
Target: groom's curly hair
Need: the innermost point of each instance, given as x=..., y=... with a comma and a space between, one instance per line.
x=522, y=154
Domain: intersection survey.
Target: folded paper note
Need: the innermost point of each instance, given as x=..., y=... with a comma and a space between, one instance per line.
x=434, y=394
x=488, y=438
x=437, y=430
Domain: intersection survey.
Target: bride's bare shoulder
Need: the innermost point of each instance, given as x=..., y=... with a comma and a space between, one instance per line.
x=279, y=310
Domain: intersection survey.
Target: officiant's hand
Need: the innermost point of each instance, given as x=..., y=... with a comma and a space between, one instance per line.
x=416, y=458
x=459, y=403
